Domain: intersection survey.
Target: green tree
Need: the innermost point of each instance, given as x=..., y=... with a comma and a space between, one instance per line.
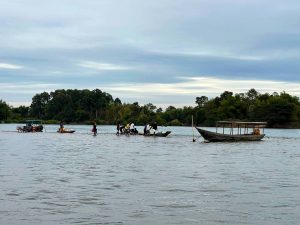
x=279, y=110
x=21, y=112
x=201, y=101
x=4, y=110
x=38, y=105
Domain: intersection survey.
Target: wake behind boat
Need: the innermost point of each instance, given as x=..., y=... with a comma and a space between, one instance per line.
x=242, y=133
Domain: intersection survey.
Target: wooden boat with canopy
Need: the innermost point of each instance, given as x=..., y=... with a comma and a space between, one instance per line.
x=31, y=126
x=238, y=131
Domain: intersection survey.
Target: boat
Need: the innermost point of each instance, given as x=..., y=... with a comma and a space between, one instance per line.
x=64, y=130
x=31, y=126
x=158, y=134
x=241, y=128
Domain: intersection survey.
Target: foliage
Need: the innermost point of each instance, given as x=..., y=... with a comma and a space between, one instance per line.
x=4, y=111
x=84, y=106
x=70, y=105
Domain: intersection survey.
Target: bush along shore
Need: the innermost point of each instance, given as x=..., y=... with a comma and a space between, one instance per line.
x=279, y=110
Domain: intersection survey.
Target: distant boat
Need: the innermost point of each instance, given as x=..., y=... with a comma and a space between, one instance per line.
x=255, y=135
x=31, y=126
x=64, y=130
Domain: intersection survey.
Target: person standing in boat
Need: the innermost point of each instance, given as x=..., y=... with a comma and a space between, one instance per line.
x=146, y=129
x=94, y=130
x=153, y=127
x=118, y=128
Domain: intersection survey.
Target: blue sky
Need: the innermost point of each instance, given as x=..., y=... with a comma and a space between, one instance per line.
x=165, y=52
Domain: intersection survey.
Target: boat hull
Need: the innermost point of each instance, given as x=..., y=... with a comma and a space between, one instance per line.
x=217, y=137
x=65, y=131
x=27, y=129
x=159, y=134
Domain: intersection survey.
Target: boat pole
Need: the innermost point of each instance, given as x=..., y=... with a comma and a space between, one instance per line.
x=193, y=128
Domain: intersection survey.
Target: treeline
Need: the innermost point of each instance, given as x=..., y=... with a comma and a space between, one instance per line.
x=84, y=106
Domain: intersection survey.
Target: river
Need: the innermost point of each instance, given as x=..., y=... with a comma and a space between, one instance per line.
x=52, y=178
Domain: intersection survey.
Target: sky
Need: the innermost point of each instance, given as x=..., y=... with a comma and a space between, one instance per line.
x=166, y=52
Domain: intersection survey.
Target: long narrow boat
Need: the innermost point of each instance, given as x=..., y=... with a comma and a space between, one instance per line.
x=158, y=134
x=255, y=135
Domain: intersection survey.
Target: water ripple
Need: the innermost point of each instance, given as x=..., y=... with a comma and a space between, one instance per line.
x=81, y=179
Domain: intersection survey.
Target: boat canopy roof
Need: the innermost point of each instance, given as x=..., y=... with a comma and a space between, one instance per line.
x=33, y=121
x=241, y=124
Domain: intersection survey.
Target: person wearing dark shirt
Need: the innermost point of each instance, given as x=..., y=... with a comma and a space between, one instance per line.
x=120, y=128
x=146, y=129
x=154, y=127
x=94, y=130
x=61, y=126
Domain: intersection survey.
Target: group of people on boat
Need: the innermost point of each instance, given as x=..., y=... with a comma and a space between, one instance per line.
x=129, y=128
x=126, y=129
x=149, y=128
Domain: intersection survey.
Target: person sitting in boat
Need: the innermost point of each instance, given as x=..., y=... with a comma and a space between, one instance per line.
x=153, y=127
x=61, y=126
x=256, y=131
x=28, y=127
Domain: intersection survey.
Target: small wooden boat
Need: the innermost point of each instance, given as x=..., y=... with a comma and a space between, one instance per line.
x=158, y=134
x=255, y=135
x=64, y=130
x=31, y=126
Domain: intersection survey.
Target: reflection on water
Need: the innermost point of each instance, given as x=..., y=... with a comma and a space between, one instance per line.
x=51, y=178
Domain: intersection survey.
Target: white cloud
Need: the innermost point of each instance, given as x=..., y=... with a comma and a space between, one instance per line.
x=162, y=95
x=26, y=87
x=213, y=53
x=10, y=66
x=161, y=39
x=184, y=93
x=19, y=103
x=102, y=66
